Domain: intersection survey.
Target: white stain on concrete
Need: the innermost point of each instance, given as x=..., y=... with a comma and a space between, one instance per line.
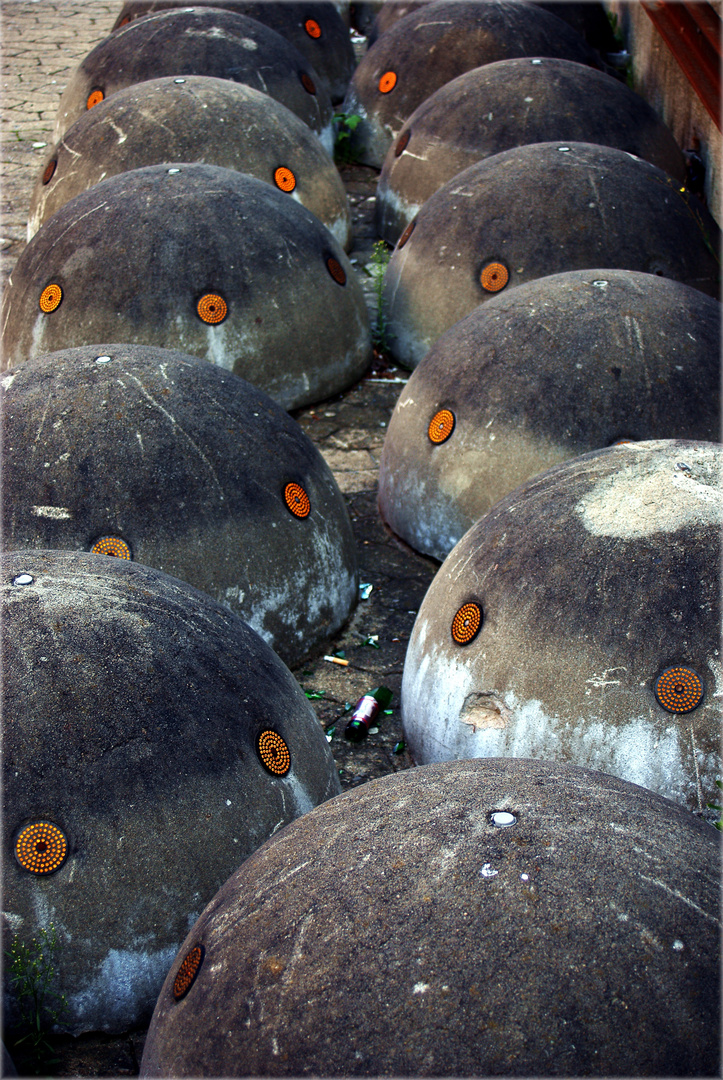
x=56, y=513
x=127, y=982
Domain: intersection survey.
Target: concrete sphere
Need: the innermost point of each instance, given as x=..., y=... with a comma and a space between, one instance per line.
x=511, y=103
x=210, y=42
x=551, y=370
x=198, y=258
x=194, y=470
x=587, y=18
x=193, y=118
x=548, y=629
x=534, y=211
x=133, y=776
x=313, y=27
x=436, y=43
x=398, y=931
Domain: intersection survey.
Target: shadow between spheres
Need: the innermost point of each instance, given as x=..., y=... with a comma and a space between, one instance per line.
x=205, y=260
x=477, y=918
x=155, y=741
x=191, y=470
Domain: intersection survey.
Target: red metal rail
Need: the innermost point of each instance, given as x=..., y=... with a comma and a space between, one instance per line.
x=692, y=32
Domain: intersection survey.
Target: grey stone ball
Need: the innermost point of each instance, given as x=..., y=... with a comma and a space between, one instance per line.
x=155, y=741
x=201, y=259
x=507, y=104
x=436, y=43
x=538, y=210
x=313, y=27
x=195, y=41
x=196, y=119
x=194, y=470
x=580, y=620
x=398, y=931
x=548, y=371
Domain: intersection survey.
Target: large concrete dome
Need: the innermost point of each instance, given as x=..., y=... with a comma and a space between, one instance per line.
x=151, y=742
x=190, y=470
x=315, y=28
x=580, y=620
x=198, y=119
x=507, y=104
x=477, y=918
x=436, y=43
x=198, y=258
x=545, y=372
x=192, y=41
x=534, y=211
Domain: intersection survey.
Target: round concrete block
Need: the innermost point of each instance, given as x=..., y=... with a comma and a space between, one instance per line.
x=548, y=629
x=195, y=41
x=197, y=258
x=435, y=44
x=534, y=211
x=156, y=741
x=507, y=104
x=512, y=918
x=193, y=118
x=549, y=371
x=315, y=28
x=195, y=471
x=588, y=19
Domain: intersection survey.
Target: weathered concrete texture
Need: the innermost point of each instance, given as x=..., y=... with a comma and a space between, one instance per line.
x=397, y=931
x=591, y=579
x=197, y=42
x=137, y=704
x=135, y=255
x=315, y=28
x=538, y=210
x=511, y=103
x=587, y=18
x=198, y=119
x=189, y=468
x=436, y=43
x=545, y=372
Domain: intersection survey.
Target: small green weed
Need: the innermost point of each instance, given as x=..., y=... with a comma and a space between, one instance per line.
x=377, y=269
x=345, y=125
x=31, y=972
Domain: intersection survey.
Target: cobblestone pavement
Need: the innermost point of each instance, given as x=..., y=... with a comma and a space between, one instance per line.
x=42, y=43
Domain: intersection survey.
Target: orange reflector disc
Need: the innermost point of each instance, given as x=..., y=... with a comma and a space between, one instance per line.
x=41, y=847
x=387, y=82
x=406, y=234
x=441, y=426
x=679, y=689
x=111, y=545
x=274, y=753
x=187, y=972
x=284, y=179
x=312, y=28
x=50, y=170
x=402, y=143
x=94, y=98
x=466, y=623
x=297, y=500
x=336, y=270
x=212, y=308
x=308, y=83
x=50, y=298
x=494, y=277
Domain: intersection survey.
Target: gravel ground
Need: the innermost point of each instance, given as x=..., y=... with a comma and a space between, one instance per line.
x=42, y=42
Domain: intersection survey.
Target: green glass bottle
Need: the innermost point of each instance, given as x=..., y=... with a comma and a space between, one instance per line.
x=365, y=713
